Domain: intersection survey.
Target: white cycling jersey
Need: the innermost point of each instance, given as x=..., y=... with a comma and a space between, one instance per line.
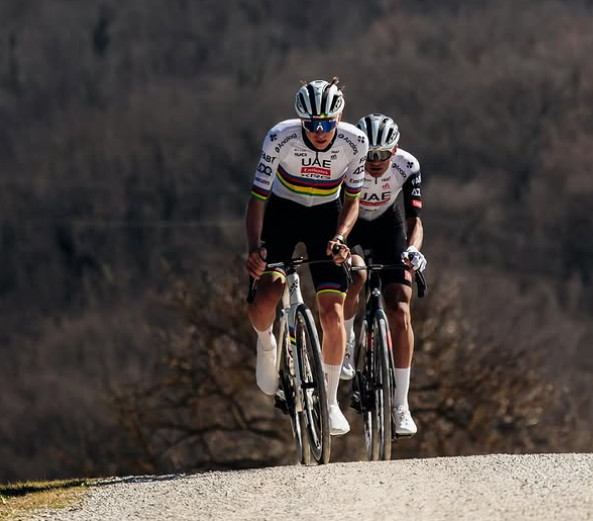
x=379, y=194
x=291, y=168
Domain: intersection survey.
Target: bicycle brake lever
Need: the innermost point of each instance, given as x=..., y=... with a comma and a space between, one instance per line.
x=345, y=265
x=421, y=284
x=346, y=268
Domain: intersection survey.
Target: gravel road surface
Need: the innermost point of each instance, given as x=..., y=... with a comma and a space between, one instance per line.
x=542, y=487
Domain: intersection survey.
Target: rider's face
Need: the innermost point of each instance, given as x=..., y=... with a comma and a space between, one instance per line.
x=318, y=135
x=377, y=168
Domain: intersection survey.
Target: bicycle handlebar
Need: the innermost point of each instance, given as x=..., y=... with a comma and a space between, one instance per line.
x=421, y=283
x=293, y=263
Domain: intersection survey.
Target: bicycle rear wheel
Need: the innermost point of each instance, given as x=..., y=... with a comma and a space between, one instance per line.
x=382, y=387
x=288, y=383
x=312, y=384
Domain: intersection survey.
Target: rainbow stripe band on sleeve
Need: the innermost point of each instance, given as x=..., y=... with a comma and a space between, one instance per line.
x=329, y=288
x=260, y=193
x=352, y=193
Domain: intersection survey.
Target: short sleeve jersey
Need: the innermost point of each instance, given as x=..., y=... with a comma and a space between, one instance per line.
x=292, y=169
x=380, y=194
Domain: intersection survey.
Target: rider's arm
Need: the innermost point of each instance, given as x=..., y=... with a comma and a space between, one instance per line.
x=414, y=229
x=346, y=220
x=254, y=218
x=260, y=190
x=347, y=216
x=413, y=207
x=353, y=181
x=415, y=232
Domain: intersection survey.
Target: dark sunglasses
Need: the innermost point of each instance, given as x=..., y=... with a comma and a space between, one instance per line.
x=314, y=125
x=379, y=155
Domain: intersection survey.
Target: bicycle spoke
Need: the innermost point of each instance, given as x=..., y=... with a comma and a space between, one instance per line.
x=287, y=379
x=383, y=386
x=313, y=385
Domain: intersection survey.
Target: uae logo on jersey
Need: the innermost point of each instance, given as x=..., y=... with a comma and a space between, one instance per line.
x=316, y=166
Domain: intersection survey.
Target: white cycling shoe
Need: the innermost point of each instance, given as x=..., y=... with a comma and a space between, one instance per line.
x=266, y=374
x=404, y=423
x=348, y=370
x=338, y=424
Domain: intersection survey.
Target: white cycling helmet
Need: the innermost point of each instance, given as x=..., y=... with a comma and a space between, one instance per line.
x=382, y=131
x=319, y=99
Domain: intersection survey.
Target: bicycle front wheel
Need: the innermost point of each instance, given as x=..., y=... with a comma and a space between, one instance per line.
x=289, y=387
x=382, y=385
x=314, y=394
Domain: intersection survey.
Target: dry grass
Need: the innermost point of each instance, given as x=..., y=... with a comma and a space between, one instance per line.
x=17, y=500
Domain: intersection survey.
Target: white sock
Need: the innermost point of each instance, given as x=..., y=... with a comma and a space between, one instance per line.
x=333, y=379
x=349, y=326
x=267, y=338
x=402, y=386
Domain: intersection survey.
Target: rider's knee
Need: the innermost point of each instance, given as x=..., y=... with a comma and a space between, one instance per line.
x=400, y=313
x=269, y=291
x=331, y=312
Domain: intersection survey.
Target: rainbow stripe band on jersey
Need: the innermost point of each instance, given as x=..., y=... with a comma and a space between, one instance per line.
x=308, y=186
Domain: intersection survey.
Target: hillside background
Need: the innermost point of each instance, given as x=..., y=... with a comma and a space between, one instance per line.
x=129, y=133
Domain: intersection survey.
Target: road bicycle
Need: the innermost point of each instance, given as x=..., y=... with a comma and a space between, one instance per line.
x=374, y=379
x=302, y=393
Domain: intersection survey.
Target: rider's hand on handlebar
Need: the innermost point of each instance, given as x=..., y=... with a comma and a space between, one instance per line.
x=338, y=250
x=256, y=262
x=414, y=259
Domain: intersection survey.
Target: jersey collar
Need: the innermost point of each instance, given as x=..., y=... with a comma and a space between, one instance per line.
x=310, y=145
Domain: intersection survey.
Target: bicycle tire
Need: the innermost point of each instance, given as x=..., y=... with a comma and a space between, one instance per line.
x=288, y=383
x=383, y=389
x=364, y=399
x=314, y=394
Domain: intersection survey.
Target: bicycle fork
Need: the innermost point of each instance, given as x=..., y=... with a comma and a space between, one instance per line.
x=291, y=299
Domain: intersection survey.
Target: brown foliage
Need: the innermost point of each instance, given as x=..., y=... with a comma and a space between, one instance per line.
x=203, y=410
x=471, y=394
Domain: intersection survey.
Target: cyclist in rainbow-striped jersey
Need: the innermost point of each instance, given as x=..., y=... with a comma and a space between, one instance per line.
x=295, y=198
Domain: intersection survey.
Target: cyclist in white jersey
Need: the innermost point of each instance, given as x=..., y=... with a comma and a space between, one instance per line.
x=295, y=198
x=392, y=237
